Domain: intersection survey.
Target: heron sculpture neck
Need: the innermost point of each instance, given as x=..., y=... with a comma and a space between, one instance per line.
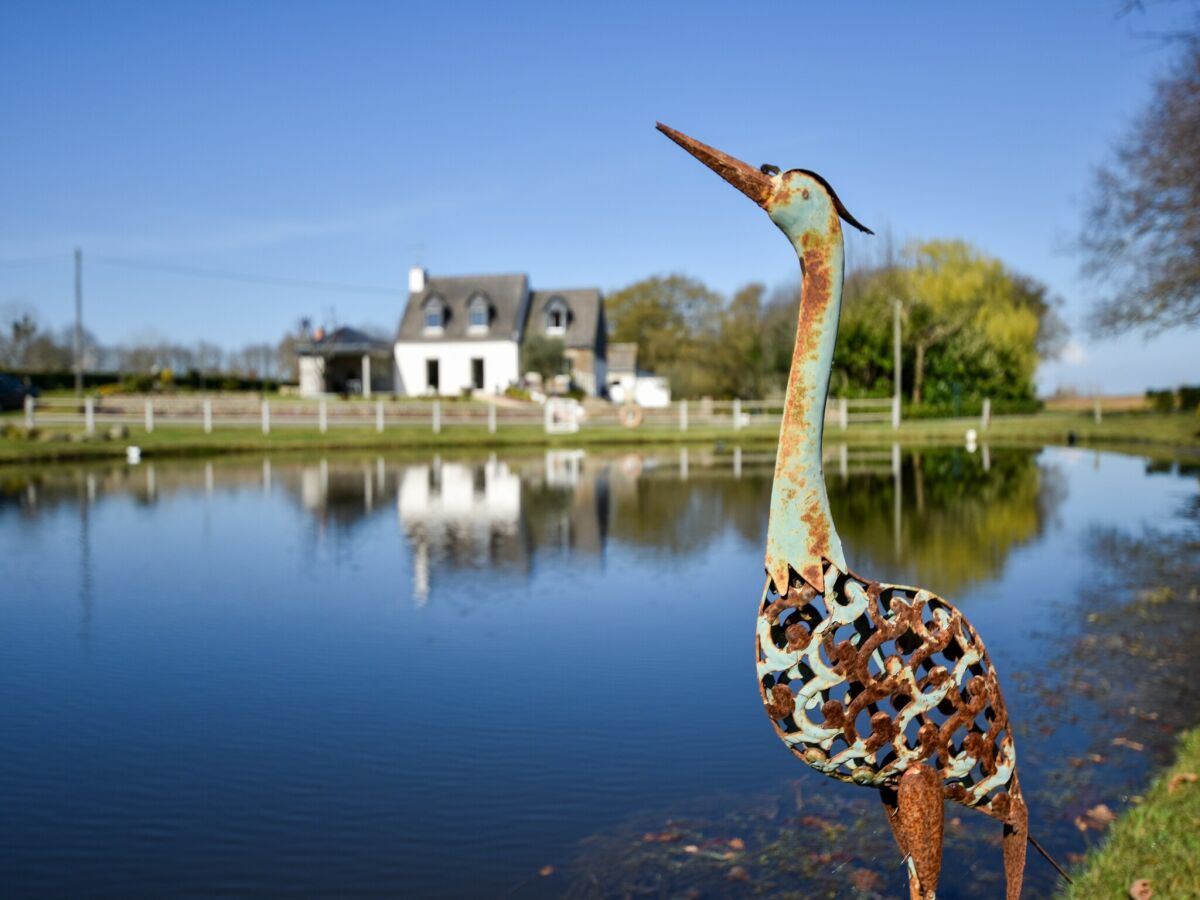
x=801, y=537
x=801, y=534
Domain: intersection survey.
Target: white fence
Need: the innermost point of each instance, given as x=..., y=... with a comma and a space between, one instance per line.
x=221, y=412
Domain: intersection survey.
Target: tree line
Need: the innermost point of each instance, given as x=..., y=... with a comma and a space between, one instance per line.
x=971, y=328
x=26, y=345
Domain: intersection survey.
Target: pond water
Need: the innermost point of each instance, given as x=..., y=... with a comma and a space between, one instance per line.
x=533, y=675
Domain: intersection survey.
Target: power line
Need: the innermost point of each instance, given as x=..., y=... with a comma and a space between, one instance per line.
x=193, y=271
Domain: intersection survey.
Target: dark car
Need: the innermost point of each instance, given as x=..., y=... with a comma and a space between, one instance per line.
x=13, y=391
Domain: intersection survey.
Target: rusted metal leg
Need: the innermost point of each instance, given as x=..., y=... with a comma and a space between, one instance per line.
x=1016, y=836
x=920, y=812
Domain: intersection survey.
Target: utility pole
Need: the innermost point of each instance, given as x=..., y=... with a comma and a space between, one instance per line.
x=896, y=362
x=78, y=322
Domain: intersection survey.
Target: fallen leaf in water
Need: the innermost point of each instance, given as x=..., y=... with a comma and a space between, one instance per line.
x=545, y=871
x=1140, y=889
x=1179, y=779
x=1076, y=858
x=1095, y=757
x=817, y=822
x=691, y=848
x=866, y=880
x=955, y=823
x=737, y=873
x=1097, y=818
x=739, y=844
x=662, y=837
x=1126, y=742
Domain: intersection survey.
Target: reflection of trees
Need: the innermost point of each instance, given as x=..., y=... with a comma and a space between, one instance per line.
x=958, y=520
x=1138, y=653
x=682, y=517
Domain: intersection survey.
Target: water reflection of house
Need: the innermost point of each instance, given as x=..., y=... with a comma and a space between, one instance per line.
x=465, y=515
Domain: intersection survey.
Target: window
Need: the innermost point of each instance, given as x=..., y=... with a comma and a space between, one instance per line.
x=479, y=314
x=556, y=316
x=432, y=379
x=477, y=373
x=435, y=314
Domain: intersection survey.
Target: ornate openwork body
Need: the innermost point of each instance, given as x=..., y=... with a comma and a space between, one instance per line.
x=880, y=685
x=867, y=679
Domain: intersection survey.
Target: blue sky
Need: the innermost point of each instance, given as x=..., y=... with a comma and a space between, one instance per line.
x=344, y=142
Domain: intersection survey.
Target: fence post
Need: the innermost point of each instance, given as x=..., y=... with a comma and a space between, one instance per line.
x=149, y=416
x=322, y=416
x=491, y=418
x=437, y=416
x=266, y=417
x=737, y=413
x=1096, y=408
x=896, y=411
x=379, y=416
x=89, y=415
x=986, y=418
x=208, y=415
x=29, y=416
x=844, y=413
x=683, y=413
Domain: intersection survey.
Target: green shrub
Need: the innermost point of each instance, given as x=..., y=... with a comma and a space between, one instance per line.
x=137, y=384
x=1189, y=397
x=1161, y=401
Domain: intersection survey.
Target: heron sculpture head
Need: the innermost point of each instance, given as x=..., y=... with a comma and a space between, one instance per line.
x=797, y=200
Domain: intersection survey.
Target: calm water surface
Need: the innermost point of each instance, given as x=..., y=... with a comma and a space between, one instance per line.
x=436, y=677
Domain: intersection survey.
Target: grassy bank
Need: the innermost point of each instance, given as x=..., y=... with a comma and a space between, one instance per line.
x=1158, y=840
x=1147, y=432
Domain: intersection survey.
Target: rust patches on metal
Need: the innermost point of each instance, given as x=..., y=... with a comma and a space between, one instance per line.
x=920, y=813
x=887, y=679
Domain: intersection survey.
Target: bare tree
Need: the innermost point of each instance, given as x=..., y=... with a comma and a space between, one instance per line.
x=1141, y=237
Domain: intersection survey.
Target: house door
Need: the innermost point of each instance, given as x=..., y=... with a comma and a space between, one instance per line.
x=432, y=381
x=477, y=373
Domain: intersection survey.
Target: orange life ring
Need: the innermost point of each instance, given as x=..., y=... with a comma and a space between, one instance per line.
x=630, y=415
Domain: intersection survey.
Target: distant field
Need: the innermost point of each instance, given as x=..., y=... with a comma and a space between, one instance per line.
x=1115, y=403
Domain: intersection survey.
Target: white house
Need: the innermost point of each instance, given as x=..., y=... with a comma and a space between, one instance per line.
x=466, y=333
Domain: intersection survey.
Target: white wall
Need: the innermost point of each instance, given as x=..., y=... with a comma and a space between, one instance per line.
x=500, y=365
x=312, y=376
x=650, y=391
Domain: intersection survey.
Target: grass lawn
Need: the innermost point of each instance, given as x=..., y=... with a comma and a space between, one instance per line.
x=1144, y=432
x=1158, y=840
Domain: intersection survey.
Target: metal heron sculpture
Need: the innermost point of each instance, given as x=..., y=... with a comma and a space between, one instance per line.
x=881, y=685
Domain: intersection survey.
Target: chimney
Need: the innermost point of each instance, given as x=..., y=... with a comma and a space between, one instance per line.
x=416, y=280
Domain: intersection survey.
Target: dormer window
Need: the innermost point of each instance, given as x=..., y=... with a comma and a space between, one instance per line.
x=435, y=315
x=479, y=314
x=556, y=316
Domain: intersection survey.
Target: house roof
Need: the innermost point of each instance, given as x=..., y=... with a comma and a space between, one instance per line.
x=622, y=357
x=585, y=319
x=506, y=296
x=342, y=340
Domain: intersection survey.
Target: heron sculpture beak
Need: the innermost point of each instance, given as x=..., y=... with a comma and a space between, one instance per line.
x=752, y=182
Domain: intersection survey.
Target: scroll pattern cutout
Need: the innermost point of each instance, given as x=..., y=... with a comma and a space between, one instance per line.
x=867, y=679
